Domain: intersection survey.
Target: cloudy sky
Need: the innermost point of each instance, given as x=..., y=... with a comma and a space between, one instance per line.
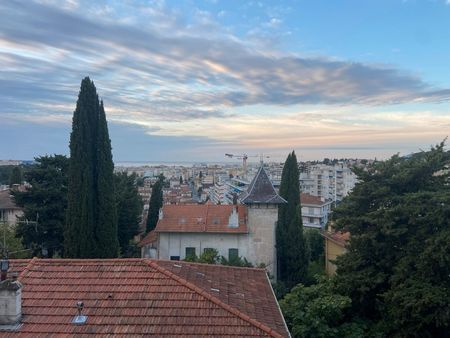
x=191, y=80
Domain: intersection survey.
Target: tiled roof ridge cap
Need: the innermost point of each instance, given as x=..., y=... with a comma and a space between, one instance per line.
x=215, y=300
x=27, y=268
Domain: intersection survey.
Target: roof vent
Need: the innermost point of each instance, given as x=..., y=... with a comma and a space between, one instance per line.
x=80, y=319
x=177, y=265
x=214, y=289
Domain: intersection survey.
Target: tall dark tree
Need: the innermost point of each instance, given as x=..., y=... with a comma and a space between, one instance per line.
x=44, y=205
x=156, y=202
x=289, y=220
x=91, y=229
x=16, y=176
x=129, y=209
x=296, y=253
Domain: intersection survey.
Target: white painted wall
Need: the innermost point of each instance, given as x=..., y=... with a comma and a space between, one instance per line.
x=175, y=244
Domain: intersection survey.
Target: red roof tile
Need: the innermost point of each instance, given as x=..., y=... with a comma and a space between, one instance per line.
x=201, y=218
x=145, y=297
x=151, y=237
x=338, y=237
x=313, y=200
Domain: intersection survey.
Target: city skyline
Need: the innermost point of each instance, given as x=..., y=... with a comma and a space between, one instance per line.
x=193, y=80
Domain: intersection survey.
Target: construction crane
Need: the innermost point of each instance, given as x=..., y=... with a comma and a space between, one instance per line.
x=244, y=158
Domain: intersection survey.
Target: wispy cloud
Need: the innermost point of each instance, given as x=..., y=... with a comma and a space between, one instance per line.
x=157, y=70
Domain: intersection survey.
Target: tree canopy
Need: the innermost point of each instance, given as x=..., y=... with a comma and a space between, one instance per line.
x=291, y=249
x=16, y=176
x=129, y=209
x=396, y=270
x=156, y=202
x=91, y=229
x=44, y=205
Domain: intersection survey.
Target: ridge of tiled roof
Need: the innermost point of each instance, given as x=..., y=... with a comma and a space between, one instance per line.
x=216, y=300
x=261, y=190
x=136, y=296
x=201, y=218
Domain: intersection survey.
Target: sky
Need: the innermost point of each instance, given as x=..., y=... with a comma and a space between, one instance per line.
x=193, y=80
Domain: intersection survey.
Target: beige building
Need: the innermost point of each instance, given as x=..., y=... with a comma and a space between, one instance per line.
x=335, y=245
x=246, y=230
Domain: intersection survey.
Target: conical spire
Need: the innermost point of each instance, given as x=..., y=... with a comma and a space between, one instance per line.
x=261, y=190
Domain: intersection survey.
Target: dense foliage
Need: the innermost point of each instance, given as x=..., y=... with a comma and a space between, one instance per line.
x=16, y=176
x=129, y=211
x=156, y=202
x=318, y=312
x=44, y=205
x=394, y=279
x=91, y=229
x=292, y=255
x=5, y=173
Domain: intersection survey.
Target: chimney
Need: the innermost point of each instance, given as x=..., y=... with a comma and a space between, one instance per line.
x=161, y=214
x=10, y=302
x=233, y=220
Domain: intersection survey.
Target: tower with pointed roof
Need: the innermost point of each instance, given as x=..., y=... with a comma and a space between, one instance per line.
x=262, y=202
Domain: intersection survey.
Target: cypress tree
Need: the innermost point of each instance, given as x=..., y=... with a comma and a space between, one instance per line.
x=91, y=229
x=16, y=176
x=290, y=191
x=297, y=255
x=156, y=202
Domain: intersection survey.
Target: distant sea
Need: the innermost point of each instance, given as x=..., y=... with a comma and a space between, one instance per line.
x=167, y=164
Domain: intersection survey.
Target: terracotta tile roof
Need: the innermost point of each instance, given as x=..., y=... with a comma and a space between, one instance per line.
x=253, y=297
x=201, y=218
x=312, y=200
x=338, y=237
x=144, y=297
x=151, y=237
x=6, y=201
x=261, y=190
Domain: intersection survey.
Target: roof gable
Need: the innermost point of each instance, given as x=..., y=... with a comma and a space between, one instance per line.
x=132, y=296
x=261, y=190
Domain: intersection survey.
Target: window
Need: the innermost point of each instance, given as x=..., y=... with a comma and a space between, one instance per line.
x=311, y=220
x=174, y=258
x=233, y=254
x=190, y=252
x=208, y=250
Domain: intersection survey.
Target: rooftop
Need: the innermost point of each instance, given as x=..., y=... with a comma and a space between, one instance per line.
x=261, y=190
x=313, y=200
x=201, y=218
x=145, y=297
x=6, y=201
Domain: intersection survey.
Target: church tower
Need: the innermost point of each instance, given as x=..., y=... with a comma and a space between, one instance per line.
x=262, y=203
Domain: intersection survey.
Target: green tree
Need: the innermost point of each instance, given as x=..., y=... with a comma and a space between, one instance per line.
x=315, y=244
x=181, y=179
x=16, y=176
x=11, y=244
x=289, y=227
x=45, y=202
x=296, y=254
x=398, y=261
x=91, y=229
x=129, y=209
x=156, y=202
x=318, y=311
